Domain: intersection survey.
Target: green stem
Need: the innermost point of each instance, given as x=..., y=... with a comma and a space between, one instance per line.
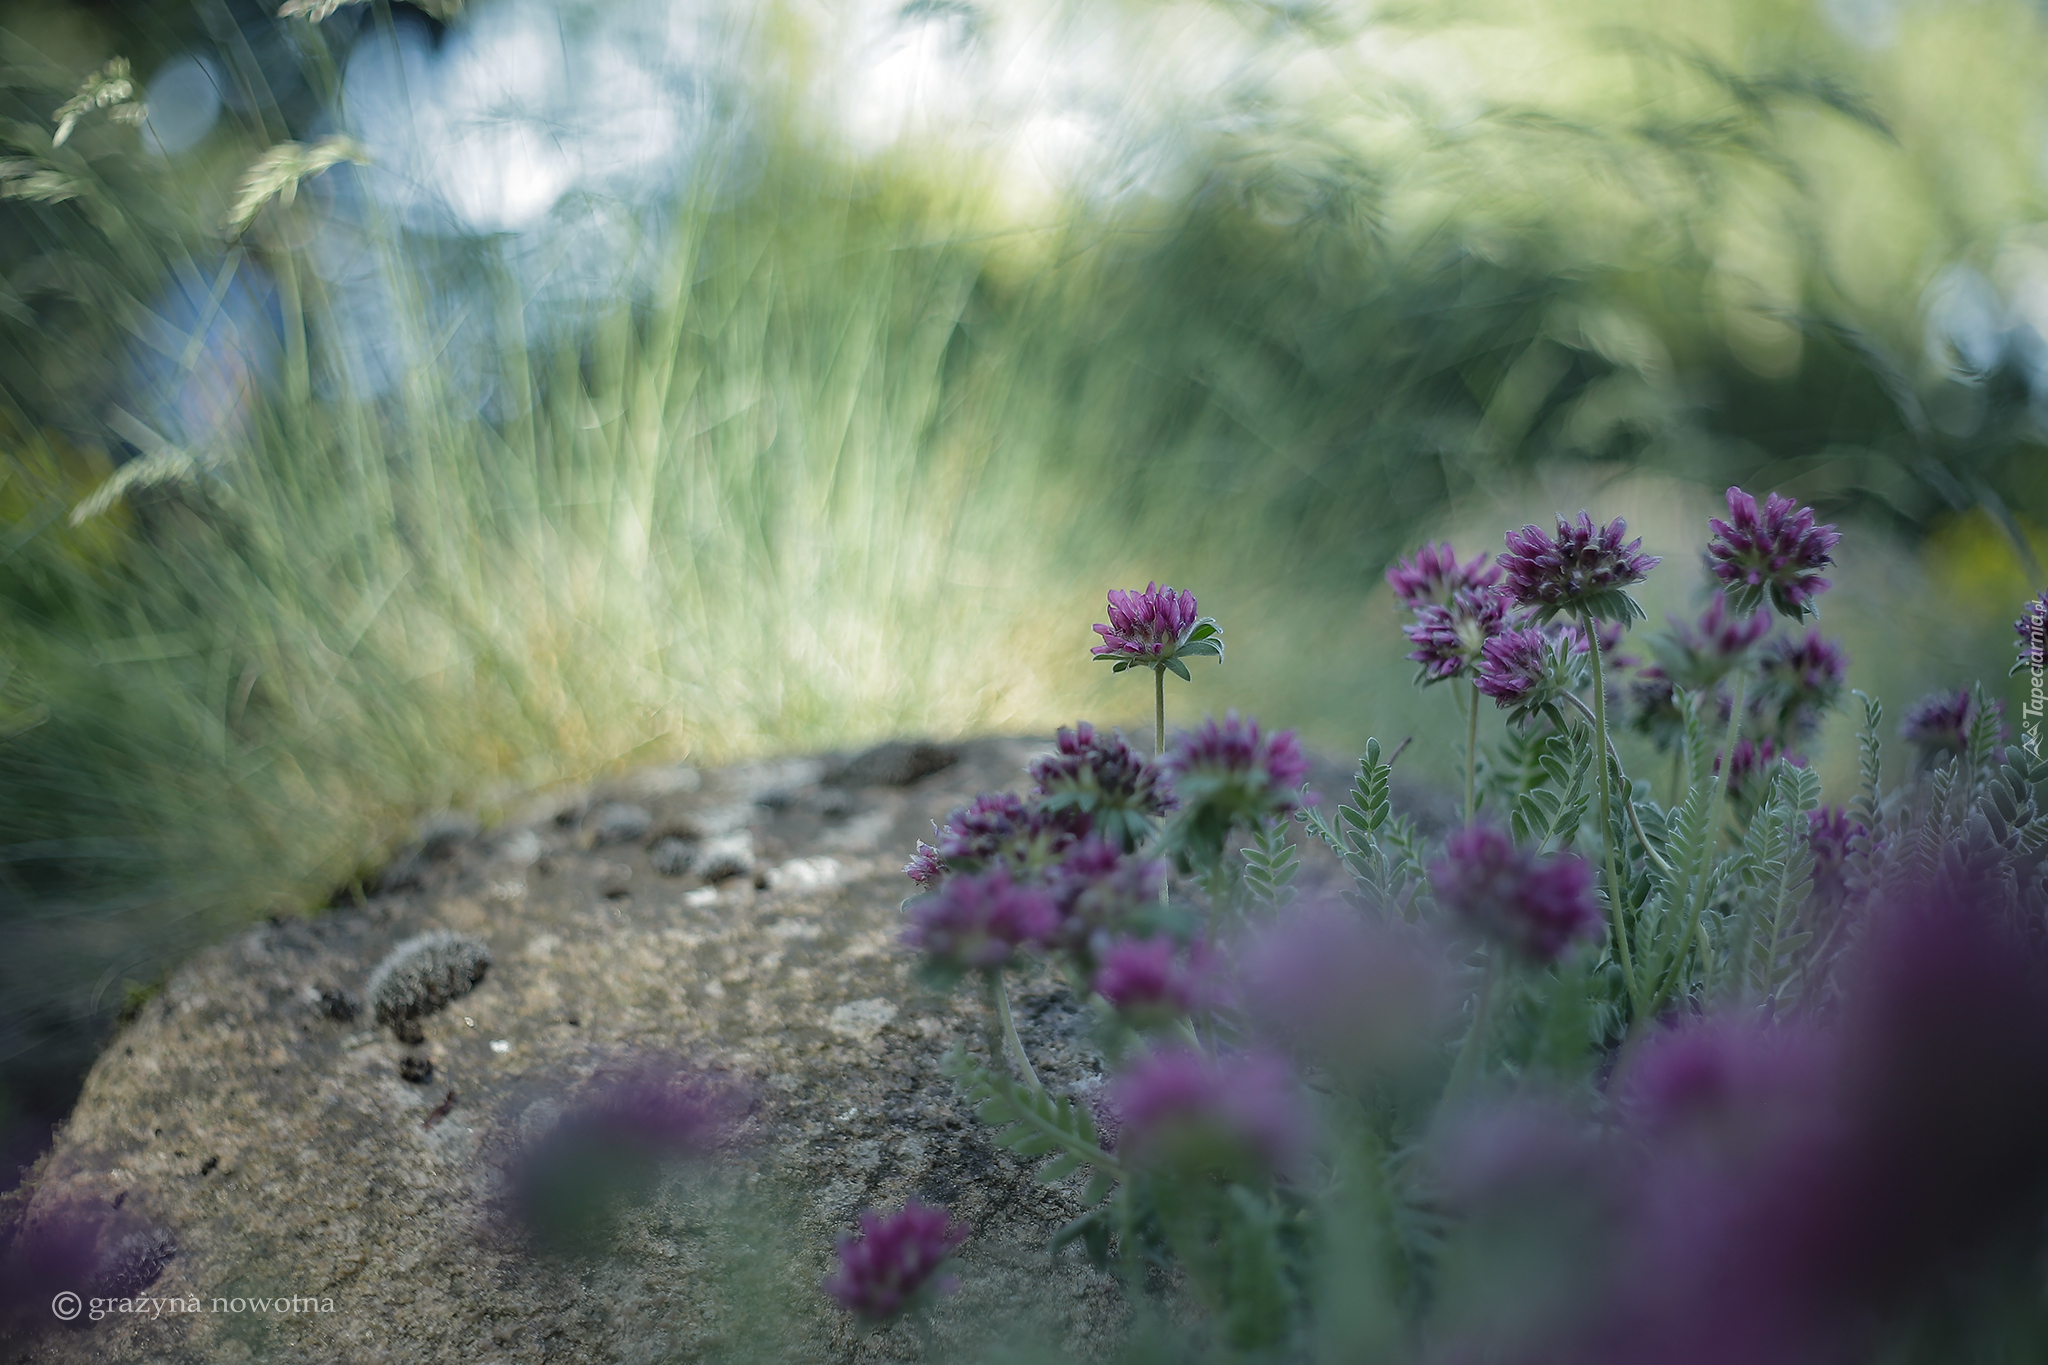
x=1472, y=753
x=1614, y=888
x=1473, y=1050
x=1159, y=711
x=1011, y=1042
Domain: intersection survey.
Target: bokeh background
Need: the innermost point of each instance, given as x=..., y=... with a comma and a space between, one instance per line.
x=405, y=406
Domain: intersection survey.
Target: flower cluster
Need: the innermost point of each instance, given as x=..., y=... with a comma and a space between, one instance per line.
x=1433, y=577
x=1001, y=827
x=1155, y=628
x=980, y=920
x=1239, y=1115
x=1525, y=671
x=1773, y=553
x=1535, y=905
x=1698, y=656
x=1751, y=766
x=893, y=1265
x=1152, y=983
x=1803, y=676
x=1230, y=773
x=1451, y=637
x=1939, y=724
x=2032, y=628
x=1831, y=833
x=1102, y=778
x=1581, y=567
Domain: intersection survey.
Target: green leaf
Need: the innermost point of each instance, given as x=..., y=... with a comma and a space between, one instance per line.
x=1059, y=1170
x=1182, y=669
x=1099, y=1186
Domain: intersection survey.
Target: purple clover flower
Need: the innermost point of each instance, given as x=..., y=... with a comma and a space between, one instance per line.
x=2032, y=628
x=1754, y=758
x=1581, y=566
x=1103, y=779
x=1240, y=1115
x=1148, y=984
x=890, y=1268
x=1101, y=891
x=1802, y=677
x=1652, y=708
x=1350, y=993
x=1775, y=552
x=980, y=920
x=1516, y=669
x=925, y=867
x=1939, y=724
x=1698, y=656
x=1434, y=577
x=1449, y=638
x=1537, y=906
x=1156, y=628
x=1830, y=836
x=1004, y=827
x=1227, y=773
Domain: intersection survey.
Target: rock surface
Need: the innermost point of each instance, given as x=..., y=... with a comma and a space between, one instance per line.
x=247, y=1119
x=255, y=1119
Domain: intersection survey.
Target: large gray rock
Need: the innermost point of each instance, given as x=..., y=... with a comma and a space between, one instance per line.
x=273, y=1142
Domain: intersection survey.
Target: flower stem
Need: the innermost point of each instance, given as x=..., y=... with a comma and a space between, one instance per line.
x=1472, y=753
x=1159, y=711
x=1011, y=1042
x=1614, y=889
x=1473, y=1050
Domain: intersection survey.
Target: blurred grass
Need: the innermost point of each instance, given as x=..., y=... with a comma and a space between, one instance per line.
x=861, y=460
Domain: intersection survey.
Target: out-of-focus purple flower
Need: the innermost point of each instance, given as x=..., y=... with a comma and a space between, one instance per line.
x=611, y=1138
x=2032, y=628
x=925, y=867
x=1352, y=995
x=979, y=920
x=1229, y=773
x=1239, y=1115
x=1939, y=724
x=1155, y=628
x=1830, y=835
x=1152, y=984
x=1450, y=637
x=1651, y=702
x=1515, y=668
x=1433, y=577
x=1610, y=633
x=1722, y=1088
x=1101, y=777
x=1752, y=764
x=1003, y=826
x=892, y=1265
x=1101, y=893
x=82, y=1246
x=1580, y=566
x=1537, y=906
x=1802, y=677
x=1775, y=552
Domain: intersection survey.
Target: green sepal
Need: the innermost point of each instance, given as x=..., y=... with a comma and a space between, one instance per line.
x=1180, y=668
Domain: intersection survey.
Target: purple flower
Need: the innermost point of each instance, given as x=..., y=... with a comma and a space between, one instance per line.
x=1698, y=656
x=1753, y=760
x=1449, y=638
x=611, y=1138
x=1537, y=906
x=1830, y=836
x=1802, y=677
x=1581, y=566
x=1100, y=777
x=1101, y=891
x=1156, y=628
x=1003, y=826
x=979, y=920
x=1433, y=577
x=1149, y=986
x=1939, y=724
x=1350, y=993
x=925, y=867
x=2032, y=628
x=1516, y=668
x=1777, y=553
x=1238, y=1116
x=1729, y=1083
x=1230, y=773
x=1652, y=702
x=889, y=1268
